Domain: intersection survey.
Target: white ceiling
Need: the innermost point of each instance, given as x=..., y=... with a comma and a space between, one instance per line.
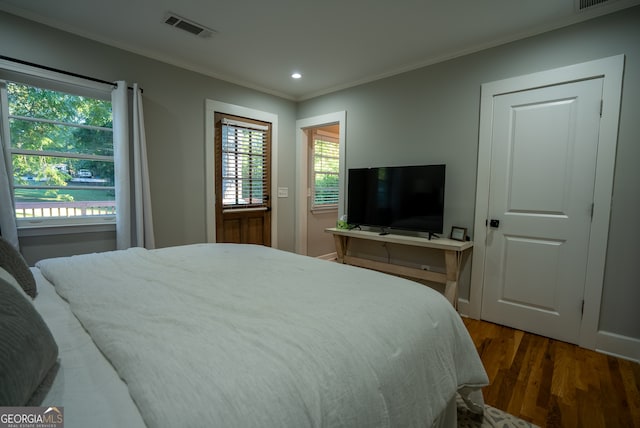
x=333, y=43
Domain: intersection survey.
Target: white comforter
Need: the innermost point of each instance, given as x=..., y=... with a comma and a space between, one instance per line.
x=228, y=335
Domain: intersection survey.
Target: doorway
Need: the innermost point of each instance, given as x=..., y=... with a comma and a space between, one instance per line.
x=310, y=236
x=323, y=184
x=543, y=161
x=534, y=267
x=211, y=182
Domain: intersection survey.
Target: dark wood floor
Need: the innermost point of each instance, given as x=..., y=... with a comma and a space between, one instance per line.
x=555, y=384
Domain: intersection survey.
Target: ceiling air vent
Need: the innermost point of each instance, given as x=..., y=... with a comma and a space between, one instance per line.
x=586, y=4
x=187, y=25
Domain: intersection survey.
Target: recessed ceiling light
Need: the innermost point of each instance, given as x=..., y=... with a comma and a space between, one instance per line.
x=296, y=75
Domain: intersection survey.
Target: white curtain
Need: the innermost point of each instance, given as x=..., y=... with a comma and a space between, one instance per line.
x=144, y=219
x=134, y=222
x=8, y=227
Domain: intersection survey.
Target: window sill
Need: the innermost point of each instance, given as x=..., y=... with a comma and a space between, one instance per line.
x=324, y=210
x=65, y=229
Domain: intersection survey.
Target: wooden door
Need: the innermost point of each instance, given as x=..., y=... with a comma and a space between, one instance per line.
x=243, y=180
x=543, y=162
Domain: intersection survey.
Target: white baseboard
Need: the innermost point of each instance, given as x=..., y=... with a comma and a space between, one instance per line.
x=618, y=346
x=463, y=307
x=612, y=344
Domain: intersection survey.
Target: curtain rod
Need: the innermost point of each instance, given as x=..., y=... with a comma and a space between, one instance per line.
x=57, y=70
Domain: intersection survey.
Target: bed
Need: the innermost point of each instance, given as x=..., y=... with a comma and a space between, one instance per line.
x=231, y=335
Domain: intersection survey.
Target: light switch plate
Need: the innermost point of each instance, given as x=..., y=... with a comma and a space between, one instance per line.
x=283, y=192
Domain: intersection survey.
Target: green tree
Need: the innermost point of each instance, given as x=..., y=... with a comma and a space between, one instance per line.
x=58, y=133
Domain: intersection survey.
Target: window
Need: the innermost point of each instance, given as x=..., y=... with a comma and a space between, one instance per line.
x=244, y=163
x=325, y=156
x=61, y=149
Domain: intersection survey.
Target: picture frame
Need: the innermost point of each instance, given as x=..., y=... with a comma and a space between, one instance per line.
x=458, y=233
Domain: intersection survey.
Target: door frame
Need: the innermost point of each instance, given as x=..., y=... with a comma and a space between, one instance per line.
x=611, y=69
x=211, y=107
x=302, y=170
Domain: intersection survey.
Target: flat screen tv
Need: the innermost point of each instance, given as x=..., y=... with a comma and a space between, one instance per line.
x=397, y=197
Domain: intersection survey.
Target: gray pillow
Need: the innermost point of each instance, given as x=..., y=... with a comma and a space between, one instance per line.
x=28, y=351
x=13, y=262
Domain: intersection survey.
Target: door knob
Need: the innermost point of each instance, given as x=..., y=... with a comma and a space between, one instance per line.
x=494, y=223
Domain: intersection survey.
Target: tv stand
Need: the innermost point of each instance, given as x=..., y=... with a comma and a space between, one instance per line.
x=454, y=255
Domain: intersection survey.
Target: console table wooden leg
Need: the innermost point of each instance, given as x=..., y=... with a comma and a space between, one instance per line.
x=452, y=262
x=341, y=243
x=451, y=293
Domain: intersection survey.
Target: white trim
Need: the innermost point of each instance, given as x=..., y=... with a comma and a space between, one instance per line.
x=323, y=209
x=39, y=223
x=54, y=80
x=61, y=229
x=51, y=80
x=611, y=69
x=612, y=344
x=211, y=107
x=302, y=170
x=618, y=346
x=463, y=307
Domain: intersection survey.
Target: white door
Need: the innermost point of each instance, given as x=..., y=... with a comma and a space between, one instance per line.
x=543, y=163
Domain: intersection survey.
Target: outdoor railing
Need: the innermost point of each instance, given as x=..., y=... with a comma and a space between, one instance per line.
x=64, y=209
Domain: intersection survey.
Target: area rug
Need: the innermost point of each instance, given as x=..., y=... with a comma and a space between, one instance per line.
x=492, y=418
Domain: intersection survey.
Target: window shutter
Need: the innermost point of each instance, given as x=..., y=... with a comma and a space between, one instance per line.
x=244, y=164
x=326, y=161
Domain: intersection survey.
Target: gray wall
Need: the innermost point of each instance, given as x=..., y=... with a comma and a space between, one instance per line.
x=439, y=108
x=174, y=101
x=320, y=243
